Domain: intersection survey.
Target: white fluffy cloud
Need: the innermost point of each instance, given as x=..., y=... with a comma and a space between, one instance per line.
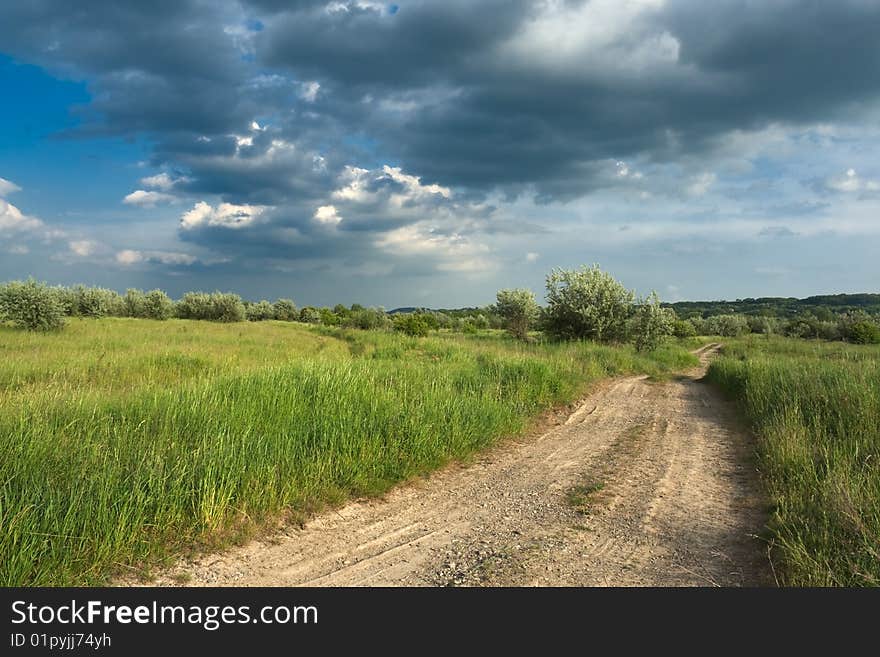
x=225, y=215
x=8, y=187
x=12, y=220
x=144, y=199
x=327, y=215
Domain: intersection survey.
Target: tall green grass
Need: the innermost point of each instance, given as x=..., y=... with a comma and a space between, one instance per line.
x=126, y=441
x=815, y=408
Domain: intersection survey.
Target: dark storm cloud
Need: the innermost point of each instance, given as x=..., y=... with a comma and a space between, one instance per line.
x=493, y=99
x=486, y=111
x=740, y=65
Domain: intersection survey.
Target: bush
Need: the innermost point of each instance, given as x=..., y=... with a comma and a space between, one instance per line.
x=31, y=305
x=764, y=325
x=94, y=302
x=260, y=311
x=683, y=328
x=133, y=303
x=651, y=323
x=310, y=315
x=328, y=317
x=848, y=322
x=217, y=307
x=285, y=310
x=864, y=332
x=367, y=319
x=157, y=305
x=729, y=326
x=586, y=303
x=481, y=322
x=412, y=324
x=519, y=310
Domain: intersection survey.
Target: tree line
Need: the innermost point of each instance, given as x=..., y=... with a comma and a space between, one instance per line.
x=581, y=304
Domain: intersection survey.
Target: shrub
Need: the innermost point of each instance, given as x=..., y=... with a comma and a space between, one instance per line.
x=864, y=332
x=226, y=307
x=480, y=321
x=260, y=311
x=218, y=307
x=683, y=328
x=764, y=325
x=651, y=323
x=31, y=305
x=729, y=326
x=586, y=303
x=412, y=324
x=328, y=317
x=848, y=322
x=310, y=315
x=285, y=310
x=519, y=310
x=367, y=318
x=157, y=305
x=95, y=302
x=133, y=303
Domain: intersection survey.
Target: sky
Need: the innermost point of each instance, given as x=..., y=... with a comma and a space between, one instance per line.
x=431, y=152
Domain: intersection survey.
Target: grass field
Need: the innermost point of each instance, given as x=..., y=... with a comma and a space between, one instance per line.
x=127, y=441
x=816, y=410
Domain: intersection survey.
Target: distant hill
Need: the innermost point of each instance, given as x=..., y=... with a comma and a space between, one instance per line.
x=826, y=304
x=823, y=306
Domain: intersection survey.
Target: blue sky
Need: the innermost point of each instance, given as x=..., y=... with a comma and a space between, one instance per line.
x=430, y=153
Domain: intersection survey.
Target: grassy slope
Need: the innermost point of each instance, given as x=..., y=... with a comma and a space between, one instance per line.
x=124, y=441
x=816, y=410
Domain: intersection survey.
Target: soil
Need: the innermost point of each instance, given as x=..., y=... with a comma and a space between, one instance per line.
x=645, y=484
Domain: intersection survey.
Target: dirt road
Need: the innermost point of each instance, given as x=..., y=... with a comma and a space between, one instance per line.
x=645, y=484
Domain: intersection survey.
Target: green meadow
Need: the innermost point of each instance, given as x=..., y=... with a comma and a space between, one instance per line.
x=815, y=408
x=126, y=442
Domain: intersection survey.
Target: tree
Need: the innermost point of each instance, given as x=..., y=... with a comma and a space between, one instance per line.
x=310, y=315
x=31, y=305
x=519, y=310
x=285, y=310
x=156, y=305
x=864, y=332
x=412, y=324
x=260, y=311
x=133, y=303
x=651, y=323
x=586, y=303
x=683, y=328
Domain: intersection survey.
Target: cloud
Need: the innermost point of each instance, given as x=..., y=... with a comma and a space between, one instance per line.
x=12, y=220
x=163, y=182
x=8, y=187
x=701, y=184
x=454, y=252
x=850, y=182
x=145, y=199
x=224, y=215
x=327, y=215
x=531, y=256
x=130, y=257
x=777, y=231
x=84, y=248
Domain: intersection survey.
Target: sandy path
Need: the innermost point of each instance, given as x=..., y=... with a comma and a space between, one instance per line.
x=645, y=484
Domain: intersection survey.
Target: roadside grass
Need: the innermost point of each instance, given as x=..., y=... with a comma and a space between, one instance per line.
x=126, y=442
x=815, y=408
